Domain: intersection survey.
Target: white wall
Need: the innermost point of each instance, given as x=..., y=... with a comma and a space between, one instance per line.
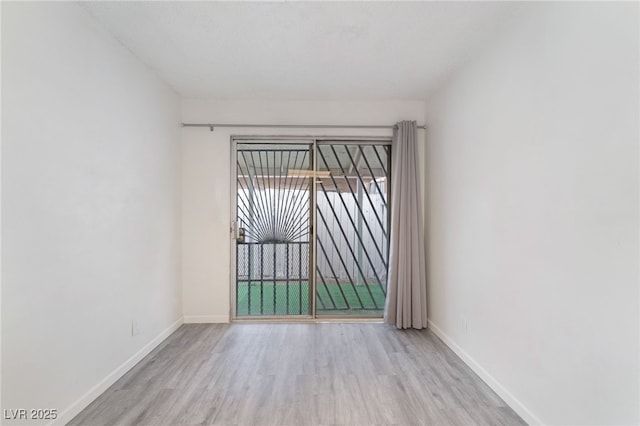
x=90, y=196
x=206, y=185
x=533, y=214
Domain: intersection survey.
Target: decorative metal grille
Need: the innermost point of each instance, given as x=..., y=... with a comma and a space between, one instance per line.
x=273, y=214
x=274, y=220
x=352, y=240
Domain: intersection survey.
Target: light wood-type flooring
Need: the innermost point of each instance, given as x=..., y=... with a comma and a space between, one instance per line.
x=299, y=374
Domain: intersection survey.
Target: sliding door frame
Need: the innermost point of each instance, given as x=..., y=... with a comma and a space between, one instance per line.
x=313, y=141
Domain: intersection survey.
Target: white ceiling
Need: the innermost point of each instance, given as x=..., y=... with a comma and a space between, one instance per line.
x=305, y=50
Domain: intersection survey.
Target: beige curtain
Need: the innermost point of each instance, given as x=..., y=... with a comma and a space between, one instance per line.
x=406, y=303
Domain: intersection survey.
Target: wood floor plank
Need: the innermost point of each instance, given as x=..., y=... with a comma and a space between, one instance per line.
x=299, y=374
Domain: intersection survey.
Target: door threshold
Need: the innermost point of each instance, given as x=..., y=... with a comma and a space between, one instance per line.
x=307, y=320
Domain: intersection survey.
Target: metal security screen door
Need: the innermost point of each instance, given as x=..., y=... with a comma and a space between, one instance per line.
x=284, y=190
x=273, y=229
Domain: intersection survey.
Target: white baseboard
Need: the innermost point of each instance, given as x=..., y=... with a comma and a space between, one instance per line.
x=74, y=409
x=496, y=386
x=206, y=319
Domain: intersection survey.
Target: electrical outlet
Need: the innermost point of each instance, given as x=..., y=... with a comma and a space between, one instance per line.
x=135, y=328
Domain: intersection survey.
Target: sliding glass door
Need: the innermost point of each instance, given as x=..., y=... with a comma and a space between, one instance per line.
x=352, y=232
x=286, y=190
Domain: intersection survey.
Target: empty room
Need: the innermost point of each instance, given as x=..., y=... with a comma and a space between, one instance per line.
x=320, y=213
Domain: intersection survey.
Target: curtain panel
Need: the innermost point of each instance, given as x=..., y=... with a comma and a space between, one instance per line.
x=406, y=302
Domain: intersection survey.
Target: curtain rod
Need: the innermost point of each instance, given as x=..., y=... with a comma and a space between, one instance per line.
x=212, y=126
